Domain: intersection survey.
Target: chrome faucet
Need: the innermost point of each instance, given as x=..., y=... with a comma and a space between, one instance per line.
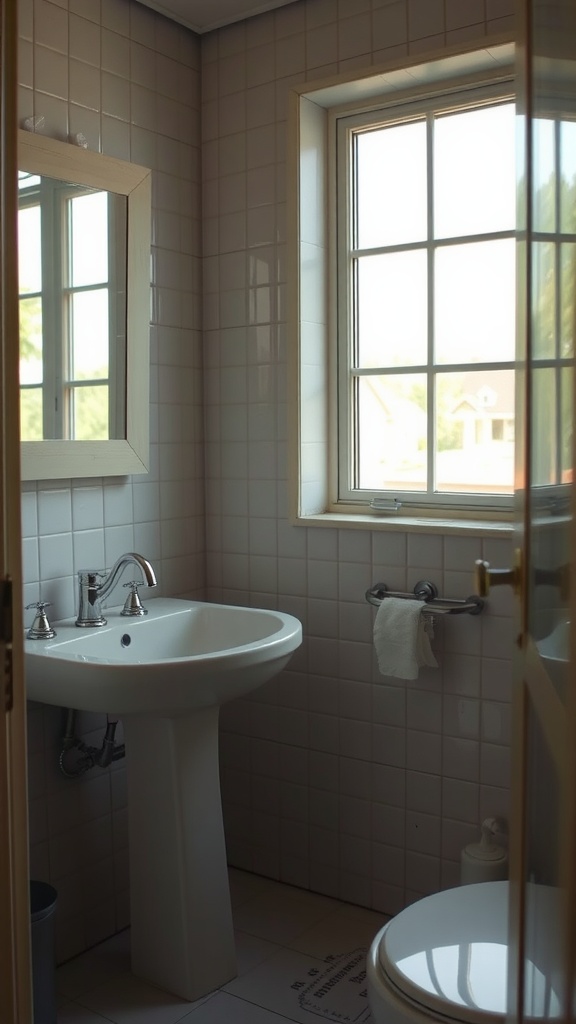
x=95, y=586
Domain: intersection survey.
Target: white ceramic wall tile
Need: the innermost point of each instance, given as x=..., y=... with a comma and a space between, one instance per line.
x=461, y=673
x=460, y=13
x=54, y=511
x=422, y=874
x=496, y=722
x=423, y=833
x=389, y=745
x=84, y=40
x=424, y=752
x=461, y=759
x=50, y=26
x=354, y=36
x=389, y=705
x=424, y=710
x=55, y=556
x=424, y=793
x=461, y=717
x=495, y=764
x=30, y=560
x=460, y=800
x=390, y=25
x=496, y=679
x=88, y=548
x=425, y=551
x=389, y=549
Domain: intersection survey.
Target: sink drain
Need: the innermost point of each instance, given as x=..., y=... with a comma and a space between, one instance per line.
x=126, y=640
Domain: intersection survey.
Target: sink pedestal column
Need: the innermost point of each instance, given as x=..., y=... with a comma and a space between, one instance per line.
x=182, y=930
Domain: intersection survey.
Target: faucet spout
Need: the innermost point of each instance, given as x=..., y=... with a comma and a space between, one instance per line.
x=94, y=587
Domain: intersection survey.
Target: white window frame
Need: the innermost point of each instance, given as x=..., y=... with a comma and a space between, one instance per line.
x=312, y=398
x=342, y=129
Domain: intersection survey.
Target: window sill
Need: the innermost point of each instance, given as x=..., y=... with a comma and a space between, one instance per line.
x=409, y=524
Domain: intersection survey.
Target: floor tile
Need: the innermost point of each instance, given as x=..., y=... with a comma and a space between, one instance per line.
x=345, y=929
x=301, y=987
x=69, y=1012
x=226, y=1009
x=127, y=1000
x=252, y=950
x=244, y=886
x=281, y=916
x=109, y=960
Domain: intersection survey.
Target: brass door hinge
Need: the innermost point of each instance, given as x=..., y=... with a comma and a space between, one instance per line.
x=6, y=633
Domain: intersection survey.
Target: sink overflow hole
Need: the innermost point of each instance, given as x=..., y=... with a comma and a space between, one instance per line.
x=126, y=640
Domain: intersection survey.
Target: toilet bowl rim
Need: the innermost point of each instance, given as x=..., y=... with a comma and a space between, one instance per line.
x=379, y=980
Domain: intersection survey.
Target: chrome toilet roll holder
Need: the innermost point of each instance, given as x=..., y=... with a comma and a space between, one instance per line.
x=427, y=592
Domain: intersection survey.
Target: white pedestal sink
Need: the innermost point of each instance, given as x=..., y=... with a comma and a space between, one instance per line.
x=166, y=675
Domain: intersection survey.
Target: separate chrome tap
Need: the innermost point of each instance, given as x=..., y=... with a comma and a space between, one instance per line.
x=95, y=586
x=40, y=628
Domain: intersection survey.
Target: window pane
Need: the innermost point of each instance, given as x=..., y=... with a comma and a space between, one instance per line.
x=89, y=413
x=567, y=298
x=391, y=185
x=544, y=292
x=475, y=432
x=392, y=430
x=26, y=179
x=474, y=302
x=391, y=311
x=89, y=239
x=31, y=415
x=543, y=169
x=474, y=172
x=31, y=340
x=568, y=172
x=567, y=412
x=29, y=254
x=543, y=431
x=89, y=342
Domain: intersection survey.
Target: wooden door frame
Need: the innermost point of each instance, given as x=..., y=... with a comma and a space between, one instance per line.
x=15, y=974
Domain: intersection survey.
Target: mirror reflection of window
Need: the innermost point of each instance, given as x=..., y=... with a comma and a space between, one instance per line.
x=72, y=259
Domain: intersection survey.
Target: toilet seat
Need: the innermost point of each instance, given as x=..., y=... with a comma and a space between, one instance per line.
x=447, y=954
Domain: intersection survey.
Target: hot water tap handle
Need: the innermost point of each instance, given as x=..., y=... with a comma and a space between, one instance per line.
x=40, y=628
x=133, y=605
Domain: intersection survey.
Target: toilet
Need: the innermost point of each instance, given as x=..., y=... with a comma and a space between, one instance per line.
x=445, y=958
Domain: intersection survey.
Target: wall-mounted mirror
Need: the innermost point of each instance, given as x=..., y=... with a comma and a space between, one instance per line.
x=84, y=283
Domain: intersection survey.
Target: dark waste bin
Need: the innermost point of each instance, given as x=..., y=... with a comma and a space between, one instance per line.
x=42, y=906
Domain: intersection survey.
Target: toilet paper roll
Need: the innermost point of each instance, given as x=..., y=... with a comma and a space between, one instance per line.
x=475, y=866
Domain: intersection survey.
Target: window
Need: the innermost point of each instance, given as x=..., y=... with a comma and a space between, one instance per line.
x=426, y=201
x=72, y=322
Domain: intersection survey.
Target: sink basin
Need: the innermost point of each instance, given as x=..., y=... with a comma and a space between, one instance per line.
x=166, y=675
x=182, y=655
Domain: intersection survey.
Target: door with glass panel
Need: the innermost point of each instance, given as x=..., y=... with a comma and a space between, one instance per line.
x=543, y=856
x=15, y=987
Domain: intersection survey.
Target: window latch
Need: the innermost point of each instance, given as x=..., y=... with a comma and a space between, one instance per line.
x=385, y=504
